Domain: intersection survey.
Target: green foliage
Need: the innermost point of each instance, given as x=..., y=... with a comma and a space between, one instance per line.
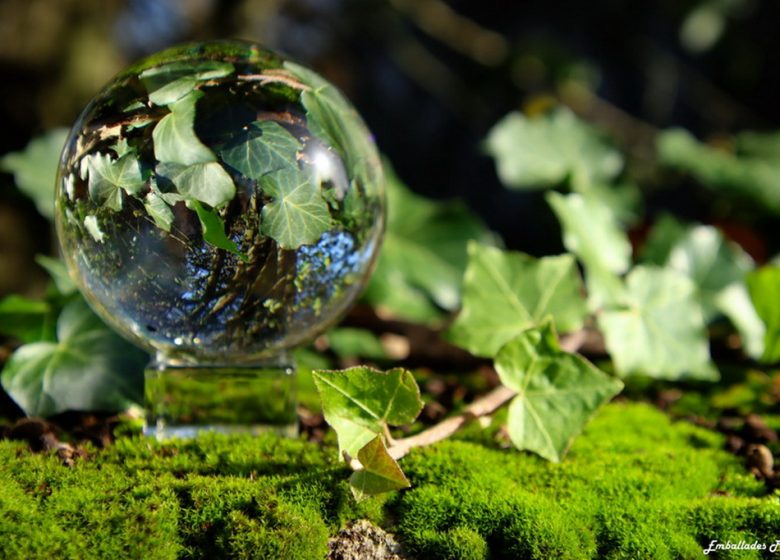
x=329, y=116
x=380, y=472
x=214, y=229
x=88, y=367
x=174, y=135
x=547, y=150
x=202, y=182
x=506, y=293
x=109, y=177
x=35, y=168
x=658, y=329
x=350, y=342
x=24, y=318
x=264, y=147
x=423, y=254
x=557, y=392
x=168, y=83
x=764, y=286
x=360, y=403
x=591, y=232
x=750, y=173
x=718, y=269
x=297, y=214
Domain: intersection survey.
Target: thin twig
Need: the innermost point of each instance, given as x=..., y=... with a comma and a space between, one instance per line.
x=483, y=406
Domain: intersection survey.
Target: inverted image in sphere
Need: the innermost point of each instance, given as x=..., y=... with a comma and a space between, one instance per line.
x=218, y=202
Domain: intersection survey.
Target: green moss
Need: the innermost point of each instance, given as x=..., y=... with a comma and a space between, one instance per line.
x=635, y=485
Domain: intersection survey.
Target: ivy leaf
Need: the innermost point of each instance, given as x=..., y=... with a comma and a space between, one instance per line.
x=24, y=318
x=591, y=232
x=169, y=83
x=423, y=254
x=557, y=392
x=214, y=229
x=174, y=135
x=297, y=214
x=659, y=330
x=88, y=368
x=204, y=182
x=380, y=472
x=59, y=274
x=35, y=168
x=545, y=151
x=666, y=232
x=506, y=293
x=360, y=402
x=764, y=287
x=159, y=210
x=751, y=175
x=108, y=177
x=331, y=118
x=718, y=269
x=348, y=342
x=711, y=262
x=264, y=147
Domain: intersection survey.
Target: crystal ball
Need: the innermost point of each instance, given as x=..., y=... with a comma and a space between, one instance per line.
x=217, y=202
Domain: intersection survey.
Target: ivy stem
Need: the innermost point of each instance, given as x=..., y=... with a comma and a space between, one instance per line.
x=483, y=406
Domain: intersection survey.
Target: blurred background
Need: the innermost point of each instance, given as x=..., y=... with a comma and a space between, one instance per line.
x=430, y=77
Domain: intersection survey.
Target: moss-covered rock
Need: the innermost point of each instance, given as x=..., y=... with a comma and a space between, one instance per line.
x=634, y=485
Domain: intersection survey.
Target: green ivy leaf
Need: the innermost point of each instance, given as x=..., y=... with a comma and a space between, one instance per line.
x=713, y=264
x=506, y=293
x=718, y=268
x=88, y=368
x=169, y=83
x=59, y=274
x=591, y=232
x=380, y=472
x=331, y=118
x=174, y=135
x=666, y=232
x=297, y=214
x=109, y=177
x=159, y=210
x=348, y=342
x=214, y=229
x=204, y=182
x=752, y=175
x=24, y=318
x=360, y=402
x=659, y=329
x=423, y=254
x=264, y=147
x=35, y=168
x=764, y=287
x=557, y=392
x=544, y=151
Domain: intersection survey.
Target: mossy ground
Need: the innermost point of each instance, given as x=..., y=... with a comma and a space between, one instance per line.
x=635, y=485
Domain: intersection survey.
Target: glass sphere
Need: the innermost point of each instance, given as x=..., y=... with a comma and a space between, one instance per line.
x=216, y=202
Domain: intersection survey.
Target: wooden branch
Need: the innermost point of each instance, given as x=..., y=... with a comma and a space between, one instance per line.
x=483, y=406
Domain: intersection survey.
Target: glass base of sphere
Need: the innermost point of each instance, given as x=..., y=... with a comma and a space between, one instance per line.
x=184, y=400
